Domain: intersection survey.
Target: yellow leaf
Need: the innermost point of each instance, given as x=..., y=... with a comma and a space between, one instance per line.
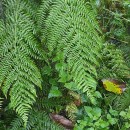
x=114, y=86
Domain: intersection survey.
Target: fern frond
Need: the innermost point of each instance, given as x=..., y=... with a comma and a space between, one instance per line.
x=71, y=28
x=113, y=63
x=37, y=121
x=18, y=73
x=126, y=51
x=42, y=13
x=16, y=124
x=74, y=95
x=1, y=9
x=45, y=103
x=122, y=102
x=72, y=110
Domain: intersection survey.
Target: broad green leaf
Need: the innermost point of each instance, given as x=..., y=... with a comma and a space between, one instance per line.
x=96, y=112
x=46, y=70
x=54, y=92
x=122, y=113
x=71, y=86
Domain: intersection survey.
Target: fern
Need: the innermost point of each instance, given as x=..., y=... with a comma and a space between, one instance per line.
x=70, y=29
x=69, y=33
x=42, y=12
x=47, y=104
x=113, y=63
x=18, y=73
x=126, y=51
x=37, y=121
x=72, y=110
x=1, y=9
x=122, y=102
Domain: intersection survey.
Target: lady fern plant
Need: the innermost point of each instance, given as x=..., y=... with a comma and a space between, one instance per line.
x=38, y=120
x=70, y=32
x=19, y=74
x=67, y=30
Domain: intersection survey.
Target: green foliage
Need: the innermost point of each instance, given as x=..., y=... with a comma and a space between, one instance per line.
x=125, y=48
x=1, y=9
x=94, y=119
x=18, y=73
x=120, y=102
x=126, y=116
x=70, y=33
x=38, y=120
x=113, y=63
x=72, y=110
x=54, y=92
x=52, y=54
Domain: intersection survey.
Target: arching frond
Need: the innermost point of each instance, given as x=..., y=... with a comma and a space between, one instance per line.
x=37, y=121
x=18, y=73
x=71, y=29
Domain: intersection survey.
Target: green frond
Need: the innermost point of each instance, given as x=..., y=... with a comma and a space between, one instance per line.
x=37, y=121
x=45, y=103
x=18, y=73
x=126, y=51
x=42, y=13
x=74, y=95
x=70, y=28
x=72, y=110
x=122, y=102
x=113, y=63
x=16, y=124
x=1, y=9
